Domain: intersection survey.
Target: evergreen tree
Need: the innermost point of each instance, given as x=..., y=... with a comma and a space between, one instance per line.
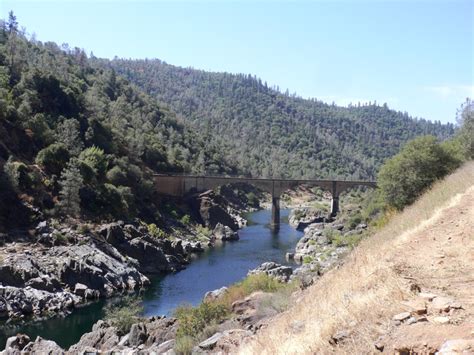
x=68, y=133
x=465, y=119
x=71, y=183
x=12, y=24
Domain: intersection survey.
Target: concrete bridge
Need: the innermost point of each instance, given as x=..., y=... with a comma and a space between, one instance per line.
x=179, y=185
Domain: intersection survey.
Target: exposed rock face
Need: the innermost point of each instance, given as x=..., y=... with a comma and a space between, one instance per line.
x=247, y=309
x=278, y=271
x=153, y=334
x=216, y=294
x=300, y=218
x=224, y=233
x=21, y=344
x=213, y=213
x=16, y=343
x=148, y=251
x=19, y=302
x=52, y=278
x=318, y=252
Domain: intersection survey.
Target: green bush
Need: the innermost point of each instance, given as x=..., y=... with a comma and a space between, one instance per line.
x=18, y=175
x=53, y=158
x=155, y=232
x=186, y=219
x=339, y=240
x=203, y=231
x=252, y=199
x=420, y=163
x=331, y=234
x=117, y=176
x=124, y=313
x=354, y=221
x=259, y=282
x=96, y=159
x=184, y=345
x=307, y=259
x=192, y=320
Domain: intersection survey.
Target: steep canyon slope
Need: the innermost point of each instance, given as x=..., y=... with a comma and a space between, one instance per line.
x=407, y=289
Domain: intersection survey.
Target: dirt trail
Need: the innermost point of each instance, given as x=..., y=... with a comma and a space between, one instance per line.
x=439, y=257
x=406, y=293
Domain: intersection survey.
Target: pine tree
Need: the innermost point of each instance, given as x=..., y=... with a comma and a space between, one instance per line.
x=68, y=133
x=12, y=24
x=71, y=182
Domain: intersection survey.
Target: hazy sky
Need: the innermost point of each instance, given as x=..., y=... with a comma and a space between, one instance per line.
x=417, y=56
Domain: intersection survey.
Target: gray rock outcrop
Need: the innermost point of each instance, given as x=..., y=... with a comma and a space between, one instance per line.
x=280, y=272
x=224, y=233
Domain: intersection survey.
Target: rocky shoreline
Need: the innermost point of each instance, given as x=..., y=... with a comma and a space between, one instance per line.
x=59, y=266
x=115, y=258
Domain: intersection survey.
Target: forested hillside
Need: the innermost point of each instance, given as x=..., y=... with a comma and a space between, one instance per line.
x=79, y=140
x=270, y=133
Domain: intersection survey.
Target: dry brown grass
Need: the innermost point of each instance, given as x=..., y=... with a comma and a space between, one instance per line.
x=364, y=293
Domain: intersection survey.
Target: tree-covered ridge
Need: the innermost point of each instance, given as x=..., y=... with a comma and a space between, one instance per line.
x=276, y=134
x=59, y=116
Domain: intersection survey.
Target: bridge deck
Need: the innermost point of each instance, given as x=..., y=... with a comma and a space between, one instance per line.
x=179, y=185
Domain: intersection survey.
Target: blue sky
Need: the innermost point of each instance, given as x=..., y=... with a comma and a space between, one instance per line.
x=415, y=55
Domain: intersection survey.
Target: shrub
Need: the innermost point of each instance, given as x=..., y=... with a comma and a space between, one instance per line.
x=17, y=173
x=252, y=199
x=307, y=259
x=53, y=158
x=83, y=228
x=114, y=201
x=354, y=221
x=339, y=240
x=96, y=159
x=331, y=234
x=186, y=219
x=252, y=283
x=117, y=176
x=184, y=345
x=405, y=176
x=155, y=232
x=59, y=238
x=192, y=320
x=203, y=231
x=124, y=313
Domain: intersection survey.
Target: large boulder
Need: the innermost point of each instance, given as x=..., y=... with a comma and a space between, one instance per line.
x=300, y=218
x=215, y=294
x=16, y=343
x=42, y=346
x=149, y=335
x=98, y=271
x=211, y=213
x=103, y=337
x=280, y=272
x=222, y=232
x=148, y=251
x=29, y=301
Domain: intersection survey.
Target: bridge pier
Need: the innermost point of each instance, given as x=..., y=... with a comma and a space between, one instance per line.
x=334, y=199
x=275, y=224
x=334, y=206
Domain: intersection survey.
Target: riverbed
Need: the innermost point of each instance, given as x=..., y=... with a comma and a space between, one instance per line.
x=219, y=266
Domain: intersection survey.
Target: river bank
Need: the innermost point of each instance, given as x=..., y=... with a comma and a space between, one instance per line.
x=228, y=262
x=60, y=266
x=312, y=248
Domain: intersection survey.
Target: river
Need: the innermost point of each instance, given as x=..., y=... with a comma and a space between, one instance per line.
x=216, y=267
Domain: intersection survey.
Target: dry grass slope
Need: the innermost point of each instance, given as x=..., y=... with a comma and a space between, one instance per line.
x=429, y=246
